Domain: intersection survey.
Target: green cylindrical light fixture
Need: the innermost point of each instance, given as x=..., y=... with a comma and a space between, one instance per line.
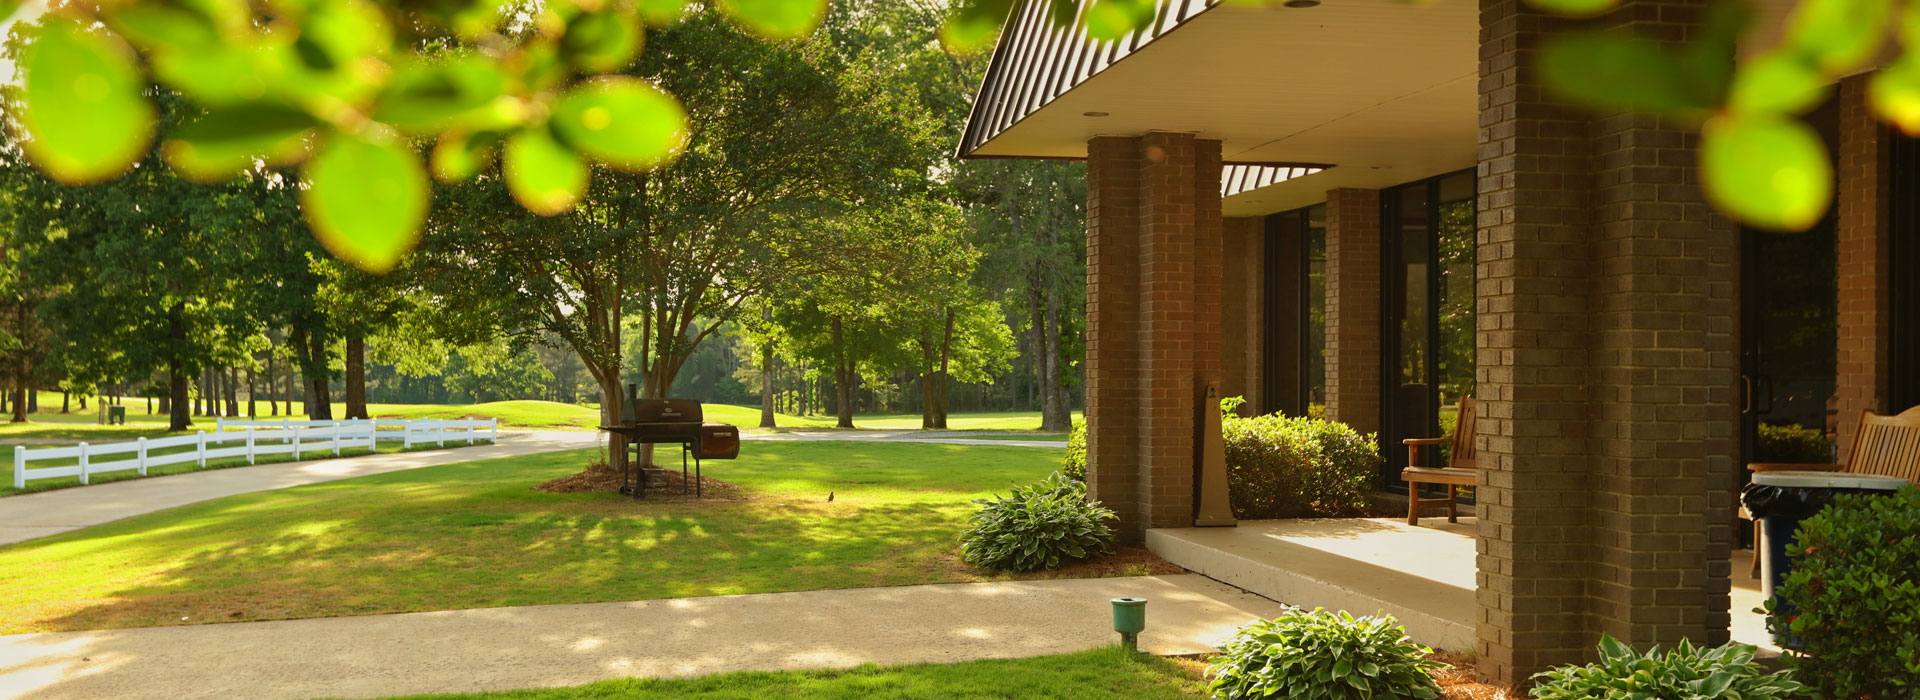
x=1129, y=619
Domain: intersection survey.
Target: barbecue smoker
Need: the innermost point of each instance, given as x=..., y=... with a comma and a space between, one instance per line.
x=663, y=422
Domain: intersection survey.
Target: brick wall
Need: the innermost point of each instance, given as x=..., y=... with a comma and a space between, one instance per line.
x=1154, y=323
x=1242, y=282
x=1353, y=308
x=1605, y=365
x=1865, y=255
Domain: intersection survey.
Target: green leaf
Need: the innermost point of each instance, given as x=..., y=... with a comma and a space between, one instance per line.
x=1112, y=19
x=225, y=141
x=365, y=199
x=1895, y=93
x=1575, y=8
x=425, y=97
x=626, y=123
x=661, y=13
x=601, y=42
x=776, y=19
x=1838, y=35
x=1621, y=71
x=1777, y=82
x=1765, y=170
x=542, y=173
x=459, y=155
x=974, y=25
x=84, y=111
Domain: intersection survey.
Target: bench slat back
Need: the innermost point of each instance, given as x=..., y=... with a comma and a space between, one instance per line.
x=1463, y=454
x=1887, y=445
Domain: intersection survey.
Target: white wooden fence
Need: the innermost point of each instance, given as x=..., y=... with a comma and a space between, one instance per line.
x=245, y=438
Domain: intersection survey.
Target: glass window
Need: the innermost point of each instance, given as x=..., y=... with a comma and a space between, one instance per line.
x=1314, y=348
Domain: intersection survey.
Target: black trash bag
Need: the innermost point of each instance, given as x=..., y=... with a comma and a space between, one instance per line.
x=1790, y=501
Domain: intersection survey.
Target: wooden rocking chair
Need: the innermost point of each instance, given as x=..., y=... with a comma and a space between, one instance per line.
x=1882, y=446
x=1461, y=467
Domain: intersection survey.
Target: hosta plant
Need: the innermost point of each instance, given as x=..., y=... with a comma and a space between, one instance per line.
x=1038, y=526
x=1319, y=654
x=1727, y=672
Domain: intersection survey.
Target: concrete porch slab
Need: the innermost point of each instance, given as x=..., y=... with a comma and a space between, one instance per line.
x=1424, y=576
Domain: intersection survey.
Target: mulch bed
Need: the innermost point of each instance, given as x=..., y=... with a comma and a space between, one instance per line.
x=600, y=479
x=1459, y=682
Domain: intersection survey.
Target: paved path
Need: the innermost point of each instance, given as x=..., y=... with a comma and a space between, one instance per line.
x=32, y=515
x=557, y=645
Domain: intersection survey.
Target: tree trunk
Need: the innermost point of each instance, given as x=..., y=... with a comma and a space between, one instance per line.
x=66, y=401
x=356, y=376
x=766, y=374
x=19, y=400
x=179, y=417
x=251, y=393
x=946, y=354
x=233, y=391
x=612, y=401
x=1054, y=413
x=842, y=380
x=290, y=383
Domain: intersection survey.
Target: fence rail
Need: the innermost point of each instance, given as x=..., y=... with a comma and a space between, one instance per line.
x=245, y=438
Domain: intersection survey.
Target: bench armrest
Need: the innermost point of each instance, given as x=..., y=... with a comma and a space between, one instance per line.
x=1775, y=467
x=1426, y=441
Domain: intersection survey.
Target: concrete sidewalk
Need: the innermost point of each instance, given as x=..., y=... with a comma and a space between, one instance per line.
x=558, y=645
x=31, y=515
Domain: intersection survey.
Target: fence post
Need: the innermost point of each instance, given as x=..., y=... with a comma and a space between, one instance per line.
x=296, y=443
x=220, y=425
x=83, y=464
x=473, y=426
x=336, y=439
x=19, y=467
x=493, y=432
x=140, y=458
x=440, y=435
x=249, y=445
x=406, y=435
x=202, y=448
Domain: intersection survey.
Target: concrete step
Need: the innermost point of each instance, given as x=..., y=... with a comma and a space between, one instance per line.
x=1423, y=576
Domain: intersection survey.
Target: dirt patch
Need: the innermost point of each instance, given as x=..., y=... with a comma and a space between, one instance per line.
x=600, y=479
x=1124, y=561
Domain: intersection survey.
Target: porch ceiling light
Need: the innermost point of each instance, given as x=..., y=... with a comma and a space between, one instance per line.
x=1094, y=114
x=1296, y=4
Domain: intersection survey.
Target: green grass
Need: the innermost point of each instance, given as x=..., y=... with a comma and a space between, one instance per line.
x=476, y=534
x=1099, y=673
x=1048, y=437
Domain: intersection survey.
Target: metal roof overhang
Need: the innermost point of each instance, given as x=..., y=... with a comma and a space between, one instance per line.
x=1382, y=91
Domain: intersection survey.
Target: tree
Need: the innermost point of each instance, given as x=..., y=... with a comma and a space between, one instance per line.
x=788, y=134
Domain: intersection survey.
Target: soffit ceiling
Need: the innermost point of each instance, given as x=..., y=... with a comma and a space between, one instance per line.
x=1383, y=91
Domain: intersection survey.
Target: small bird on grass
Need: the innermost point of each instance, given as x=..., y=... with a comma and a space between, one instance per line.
x=829, y=496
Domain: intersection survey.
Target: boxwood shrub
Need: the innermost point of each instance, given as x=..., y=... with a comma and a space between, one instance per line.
x=1282, y=467
x=1075, y=463
x=1793, y=444
x=1727, y=672
x=1854, y=596
x=1038, y=526
x=1318, y=654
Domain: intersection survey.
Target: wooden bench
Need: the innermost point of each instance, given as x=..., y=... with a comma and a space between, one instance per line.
x=1882, y=446
x=1461, y=467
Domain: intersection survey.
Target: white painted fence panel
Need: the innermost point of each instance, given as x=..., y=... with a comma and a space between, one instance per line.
x=246, y=439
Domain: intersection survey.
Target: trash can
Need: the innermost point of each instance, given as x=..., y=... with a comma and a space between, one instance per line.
x=1781, y=500
x=116, y=415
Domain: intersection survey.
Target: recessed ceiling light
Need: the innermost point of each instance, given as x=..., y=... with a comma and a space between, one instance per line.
x=1301, y=3
x=1093, y=114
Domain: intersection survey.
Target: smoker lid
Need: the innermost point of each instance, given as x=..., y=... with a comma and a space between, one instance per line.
x=1829, y=480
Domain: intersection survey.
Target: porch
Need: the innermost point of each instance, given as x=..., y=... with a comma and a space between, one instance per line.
x=1424, y=575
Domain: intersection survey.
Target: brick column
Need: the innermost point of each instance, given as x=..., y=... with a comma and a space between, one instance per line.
x=1353, y=308
x=1242, y=283
x=1154, y=249
x=1605, y=368
x=1865, y=252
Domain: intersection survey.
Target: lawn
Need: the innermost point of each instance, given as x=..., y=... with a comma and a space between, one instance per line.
x=1099, y=673
x=475, y=534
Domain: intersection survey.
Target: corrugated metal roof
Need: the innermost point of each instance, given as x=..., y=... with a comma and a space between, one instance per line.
x=1038, y=60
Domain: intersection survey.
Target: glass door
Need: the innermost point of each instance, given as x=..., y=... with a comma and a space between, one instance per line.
x=1427, y=334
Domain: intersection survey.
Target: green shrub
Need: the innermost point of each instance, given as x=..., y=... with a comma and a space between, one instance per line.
x=1793, y=444
x=1854, y=594
x=1727, y=672
x=1038, y=526
x=1281, y=467
x=1075, y=464
x=1323, y=655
